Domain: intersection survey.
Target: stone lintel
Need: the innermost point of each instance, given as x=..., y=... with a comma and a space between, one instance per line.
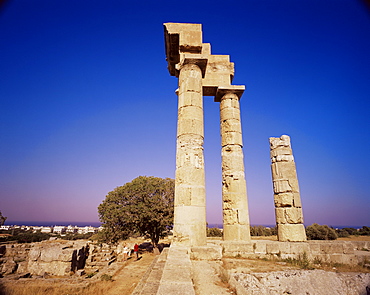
x=181, y=38
x=235, y=89
x=195, y=59
x=220, y=71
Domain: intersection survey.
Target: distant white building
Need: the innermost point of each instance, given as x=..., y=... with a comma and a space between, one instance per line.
x=5, y=227
x=71, y=229
x=87, y=229
x=36, y=228
x=59, y=229
x=46, y=229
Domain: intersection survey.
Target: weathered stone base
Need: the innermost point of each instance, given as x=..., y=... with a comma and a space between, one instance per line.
x=316, y=282
x=345, y=252
x=172, y=271
x=291, y=233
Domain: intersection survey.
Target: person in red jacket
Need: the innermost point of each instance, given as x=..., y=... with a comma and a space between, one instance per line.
x=136, y=251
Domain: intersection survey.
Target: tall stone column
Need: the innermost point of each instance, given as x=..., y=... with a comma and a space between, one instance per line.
x=288, y=207
x=234, y=191
x=190, y=197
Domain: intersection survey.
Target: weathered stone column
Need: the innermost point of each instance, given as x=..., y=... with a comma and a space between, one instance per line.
x=190, y=197
x=234, y=191
x=288, y=207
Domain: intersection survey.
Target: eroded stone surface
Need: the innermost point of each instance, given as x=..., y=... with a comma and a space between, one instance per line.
x=288, y=207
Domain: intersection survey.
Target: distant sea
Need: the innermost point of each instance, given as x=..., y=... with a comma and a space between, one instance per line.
x=53, y=223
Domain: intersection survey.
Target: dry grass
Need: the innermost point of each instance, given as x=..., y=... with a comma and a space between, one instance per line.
x=54, y=288
x=355, y=238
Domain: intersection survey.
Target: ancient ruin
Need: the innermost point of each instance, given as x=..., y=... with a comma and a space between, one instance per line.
x=201, y=73
x=288, y=207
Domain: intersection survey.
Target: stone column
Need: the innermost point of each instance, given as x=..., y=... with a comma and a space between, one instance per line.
x=288, y=207
x=234, y=190
x=190, y=197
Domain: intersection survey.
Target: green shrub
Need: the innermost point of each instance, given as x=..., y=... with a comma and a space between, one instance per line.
x=259, y=230
x=214, y=232
x=320, y=232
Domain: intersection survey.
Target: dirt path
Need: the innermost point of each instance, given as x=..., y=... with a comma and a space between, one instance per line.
x=126, y=279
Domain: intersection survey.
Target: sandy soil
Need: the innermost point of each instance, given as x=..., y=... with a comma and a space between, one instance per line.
x=130, y=274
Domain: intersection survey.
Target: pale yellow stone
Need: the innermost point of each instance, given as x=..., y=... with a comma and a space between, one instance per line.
x=231, y=125
x=190, y=99
x=229, y=138
x=284, y=200
x=229, y=113
x=291, y=232
x=282, y=186
x=236, y=232
x=293, y=215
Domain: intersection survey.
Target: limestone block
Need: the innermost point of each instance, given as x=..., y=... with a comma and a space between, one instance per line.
x=34, y=253
x=218, y=72
x=260, y=247
x=285, y=158
x=283, y=141
x=190, y=99
x=299, y=248
x=49, y=254
x=293, y=215
x=8, y=267
x=284, y=200
x=186, y=195
x=236, y=232
x=297, y=199
x=348, y=248
x=190, y=126
x=281, y=186
x=190, y=79
x=291, y=232
x=234, y=185
x=314, y=247
x=237, y=247
x=22, y=267
x=285, y=170
x=231, y=125
x=331, y=248
x=230, y=216
x=189, y=176
x=206, y=253
x=190, y=120
x=229, y=100
x=231, y=138
x=272, y=248
x=229, y=113
x=232, y=159
x=280, y=215
x=281, y=151
x=190, y=41
x=350, y=259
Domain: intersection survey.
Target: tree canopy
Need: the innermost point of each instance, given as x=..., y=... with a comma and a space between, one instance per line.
x=2, y=219
x=144, y=206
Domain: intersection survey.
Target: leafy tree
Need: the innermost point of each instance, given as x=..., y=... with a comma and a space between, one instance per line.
x=2, y=219
x=260, y=230
x=320, y=232
x=143, y=206
x=214, y=232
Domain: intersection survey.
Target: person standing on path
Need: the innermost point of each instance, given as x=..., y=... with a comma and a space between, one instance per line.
x=136, y=251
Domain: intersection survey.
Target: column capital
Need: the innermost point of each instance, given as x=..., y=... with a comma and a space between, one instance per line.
x=195, y=59
x=234, y=89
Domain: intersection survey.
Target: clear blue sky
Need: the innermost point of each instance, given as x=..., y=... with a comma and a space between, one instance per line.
x=87, y=103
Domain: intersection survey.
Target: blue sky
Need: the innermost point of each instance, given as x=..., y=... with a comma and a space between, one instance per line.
x=87, y=103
